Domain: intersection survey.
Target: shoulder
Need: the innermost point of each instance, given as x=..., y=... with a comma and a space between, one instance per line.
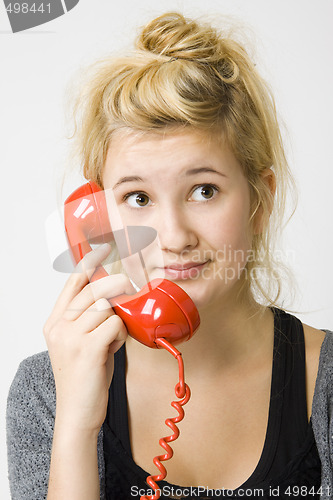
x=319, y=358
x=34, y=372
x=313, y=339
x=39, y=361
x=33, y=386
x=318, y=343
x=315, y=348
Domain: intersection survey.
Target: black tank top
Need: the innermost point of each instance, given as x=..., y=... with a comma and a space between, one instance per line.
x=289, y=466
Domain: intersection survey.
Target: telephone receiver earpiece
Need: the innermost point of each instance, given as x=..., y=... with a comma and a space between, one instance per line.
x=161, y=309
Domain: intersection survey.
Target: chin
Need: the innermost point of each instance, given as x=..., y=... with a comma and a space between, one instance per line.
x=201, y=291
x=201, y=295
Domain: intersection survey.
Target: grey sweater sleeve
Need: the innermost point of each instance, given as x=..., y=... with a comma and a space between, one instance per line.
x=30, y=421
x=322, y=415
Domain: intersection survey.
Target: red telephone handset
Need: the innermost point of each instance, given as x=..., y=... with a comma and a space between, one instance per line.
x=161, y=309
x=161, y=314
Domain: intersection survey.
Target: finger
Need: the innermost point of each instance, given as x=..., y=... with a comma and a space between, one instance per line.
x=80, y=277
x=111, y=334
x=87, y=266
x=95, y=315
x=107, y=287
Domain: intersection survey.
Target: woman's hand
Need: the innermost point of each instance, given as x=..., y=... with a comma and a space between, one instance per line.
x=82, y=335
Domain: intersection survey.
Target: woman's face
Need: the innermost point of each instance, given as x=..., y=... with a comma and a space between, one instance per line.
x=190, y=188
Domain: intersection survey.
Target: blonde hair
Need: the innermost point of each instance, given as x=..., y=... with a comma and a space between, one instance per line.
x=185, y=73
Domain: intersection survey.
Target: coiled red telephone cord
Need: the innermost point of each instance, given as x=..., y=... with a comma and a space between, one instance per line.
x=182, y=390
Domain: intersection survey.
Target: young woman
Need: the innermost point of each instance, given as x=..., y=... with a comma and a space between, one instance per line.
x=184, y=135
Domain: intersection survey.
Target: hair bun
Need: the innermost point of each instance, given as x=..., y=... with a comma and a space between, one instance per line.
x=173, y=35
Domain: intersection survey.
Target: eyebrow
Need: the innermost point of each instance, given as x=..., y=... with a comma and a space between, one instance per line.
x=199, y=170
x=192, y=171
x=130, y=178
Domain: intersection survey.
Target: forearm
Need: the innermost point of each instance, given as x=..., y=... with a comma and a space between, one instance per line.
x=74, y=466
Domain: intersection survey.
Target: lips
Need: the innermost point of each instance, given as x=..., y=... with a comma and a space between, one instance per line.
x=184, y=271
x=181, y=267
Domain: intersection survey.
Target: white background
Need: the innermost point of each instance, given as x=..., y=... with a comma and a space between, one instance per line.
x=294, y=52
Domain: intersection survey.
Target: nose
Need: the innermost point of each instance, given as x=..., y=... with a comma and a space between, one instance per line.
x=176, y=231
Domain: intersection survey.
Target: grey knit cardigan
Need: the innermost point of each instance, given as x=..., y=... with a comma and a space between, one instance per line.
x=31, y=413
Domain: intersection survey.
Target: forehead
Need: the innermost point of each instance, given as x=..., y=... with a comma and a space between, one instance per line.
x=135, y=152
x=128, y=140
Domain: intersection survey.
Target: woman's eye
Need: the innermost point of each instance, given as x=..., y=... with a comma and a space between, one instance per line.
x=136, y=200
x=204, y=192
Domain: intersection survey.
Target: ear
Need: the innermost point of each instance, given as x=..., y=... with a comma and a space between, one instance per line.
x=267, y=177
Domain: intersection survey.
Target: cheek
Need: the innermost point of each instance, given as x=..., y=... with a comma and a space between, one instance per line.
x=135, y=270
x=231, y=228
x=141, y=267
